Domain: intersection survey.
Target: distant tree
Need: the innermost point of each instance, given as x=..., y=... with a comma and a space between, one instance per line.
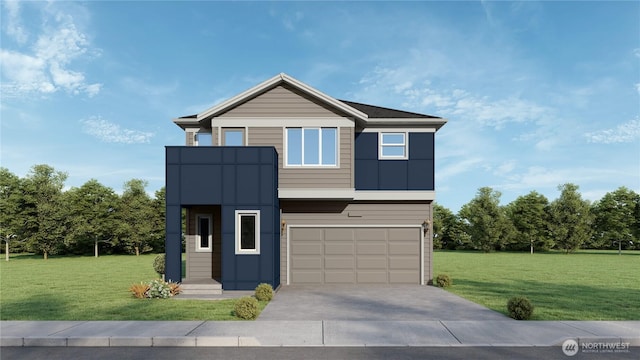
x=135, y=213
x=157, y=231
x=10, y=199
x=570, y=219
x=615, y=219
x=529, y=215
x=486, y=220
x=45, y=221
x=448, y=230
x=92, y=212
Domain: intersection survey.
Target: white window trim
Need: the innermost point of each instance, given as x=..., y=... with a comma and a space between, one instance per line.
x=198, y=236
x=256, y=214
x=245, y=134
x=311, y=166
x=405, y=144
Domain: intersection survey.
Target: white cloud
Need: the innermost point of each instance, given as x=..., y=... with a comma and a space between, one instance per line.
x=623, y=133
x=43, y=67
x=111, y=132
x=13, y=23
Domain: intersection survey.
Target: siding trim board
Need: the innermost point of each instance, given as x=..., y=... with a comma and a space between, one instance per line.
x=420, y=227
x=353, y=194
x=296, y=121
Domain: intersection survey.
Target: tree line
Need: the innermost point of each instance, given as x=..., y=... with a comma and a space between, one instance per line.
x=532, y=222
x=37, y=215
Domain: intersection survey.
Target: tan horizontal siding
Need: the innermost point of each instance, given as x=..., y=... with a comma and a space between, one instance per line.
x=361, y=213
x=281, y=101
x=304, y=177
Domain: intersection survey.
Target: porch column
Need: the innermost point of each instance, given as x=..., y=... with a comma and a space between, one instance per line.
x=173, y=244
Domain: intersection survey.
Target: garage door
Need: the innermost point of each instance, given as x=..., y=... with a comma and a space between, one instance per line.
x=354, y=255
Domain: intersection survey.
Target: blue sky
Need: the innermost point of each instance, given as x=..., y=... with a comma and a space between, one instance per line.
x=537, y=93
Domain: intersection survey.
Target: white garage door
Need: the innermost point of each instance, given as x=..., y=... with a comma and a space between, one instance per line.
x=354, y=255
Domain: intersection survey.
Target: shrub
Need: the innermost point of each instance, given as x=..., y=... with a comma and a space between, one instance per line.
x=443, y=280
x=139, y=290
x=159, y=289
x=246, y=308
x=264, y=292
x=520, y=308
x=174, y=288
x=158, y=264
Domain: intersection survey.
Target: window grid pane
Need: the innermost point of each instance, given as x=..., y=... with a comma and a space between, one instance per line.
x=247, y=232
x=294, y=146
x=311, y=140
x=392, y=139
x=329, y=146
x=233, y=138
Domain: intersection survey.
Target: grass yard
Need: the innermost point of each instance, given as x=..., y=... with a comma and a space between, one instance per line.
x=86, y=288
x=587, y=285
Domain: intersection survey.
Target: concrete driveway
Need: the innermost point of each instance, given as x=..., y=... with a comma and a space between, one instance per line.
x=375, y=302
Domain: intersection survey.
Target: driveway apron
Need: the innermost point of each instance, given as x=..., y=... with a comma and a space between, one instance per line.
x=375, y=302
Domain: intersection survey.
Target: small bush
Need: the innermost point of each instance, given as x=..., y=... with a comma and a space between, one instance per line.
x=443, y=280
x=246, y=308
x=159, y=289
x=264, y=292
x=174, y=288
x=520, y=308
x=139, y=290
x=158, y=264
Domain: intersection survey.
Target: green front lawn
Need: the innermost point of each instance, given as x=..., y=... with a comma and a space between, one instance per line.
x=88, y=288
x=587, y=285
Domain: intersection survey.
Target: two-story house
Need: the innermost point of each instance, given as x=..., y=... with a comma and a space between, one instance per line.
x=284, y=184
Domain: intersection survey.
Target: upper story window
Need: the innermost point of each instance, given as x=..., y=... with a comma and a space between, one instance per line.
x=203, y=139
x=393, y=146
x=311, y=146
x=233, y=137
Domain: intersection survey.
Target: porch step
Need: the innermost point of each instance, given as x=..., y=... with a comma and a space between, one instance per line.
x=201, y=288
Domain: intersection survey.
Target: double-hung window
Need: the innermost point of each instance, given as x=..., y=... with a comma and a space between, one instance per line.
x=393, y=146
x=311, y=147
x=248, y=232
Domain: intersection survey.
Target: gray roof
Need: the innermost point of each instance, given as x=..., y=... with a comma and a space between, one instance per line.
x=378, y=112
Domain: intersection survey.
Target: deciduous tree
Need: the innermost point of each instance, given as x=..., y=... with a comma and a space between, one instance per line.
x=570, y=219
x=529, y=215
x=615, y=219
x=486, y=220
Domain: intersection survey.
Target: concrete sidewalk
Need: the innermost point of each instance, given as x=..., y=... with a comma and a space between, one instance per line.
x=315, y=333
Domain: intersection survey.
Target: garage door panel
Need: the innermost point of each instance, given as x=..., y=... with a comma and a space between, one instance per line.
x=306, y=262
x=379, y=234
x=404, y=234
x=372, y=262
x=339, y=277
x=339, y=234
x=306, y=249
x=338, y=248
x=372, y=277
x=404, y=277
x=306, y=234
x=334, y=262
x=404, y=248
x=372, y=248
x=307, y=277
x=403, y=262
x=351, y=255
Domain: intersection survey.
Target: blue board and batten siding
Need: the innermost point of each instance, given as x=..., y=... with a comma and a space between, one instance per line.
x=415, y=173
x=236, y=178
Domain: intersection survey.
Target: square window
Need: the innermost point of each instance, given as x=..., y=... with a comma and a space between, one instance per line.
x=247, y=232
x=311, y=146
x=393, y=146
x=204, y=139
x=233, y=137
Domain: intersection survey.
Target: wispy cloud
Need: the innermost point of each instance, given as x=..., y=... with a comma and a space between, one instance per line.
x=623, y=133
x=43, y=66
x=111, y=132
